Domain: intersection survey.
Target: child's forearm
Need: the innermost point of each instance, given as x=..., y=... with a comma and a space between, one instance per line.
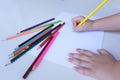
x=110, y=23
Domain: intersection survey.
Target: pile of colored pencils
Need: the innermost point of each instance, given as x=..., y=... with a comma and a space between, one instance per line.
x=46, y=36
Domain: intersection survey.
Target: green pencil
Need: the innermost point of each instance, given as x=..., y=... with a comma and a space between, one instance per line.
x=52, y=23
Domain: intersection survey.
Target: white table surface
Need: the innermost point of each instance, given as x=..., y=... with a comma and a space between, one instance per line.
x=16, y=15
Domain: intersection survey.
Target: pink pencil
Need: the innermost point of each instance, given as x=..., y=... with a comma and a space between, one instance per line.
x=44, y=52
x=23, y=33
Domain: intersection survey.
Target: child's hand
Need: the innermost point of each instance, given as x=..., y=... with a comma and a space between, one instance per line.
x=85, y=27
x=88, y=63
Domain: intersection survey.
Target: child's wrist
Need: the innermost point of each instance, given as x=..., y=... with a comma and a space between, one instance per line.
x=95, y=26
x=92, y=26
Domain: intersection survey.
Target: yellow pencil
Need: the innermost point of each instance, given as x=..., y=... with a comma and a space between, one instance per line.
x=92, y=13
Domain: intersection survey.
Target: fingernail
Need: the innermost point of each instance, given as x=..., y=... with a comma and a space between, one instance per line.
x=76, y=67
x=70, y=59
x=71, y=54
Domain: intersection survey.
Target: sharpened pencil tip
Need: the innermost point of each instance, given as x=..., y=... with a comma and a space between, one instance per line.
x=3, y=40
x=38, y=48
x=9, y=54
x=33, y=68
x=10, y=57
x=8, y=64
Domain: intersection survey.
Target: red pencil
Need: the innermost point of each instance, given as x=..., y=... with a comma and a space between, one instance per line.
x=49, y=37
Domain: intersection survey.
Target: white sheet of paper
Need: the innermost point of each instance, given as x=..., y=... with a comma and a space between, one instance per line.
x=67, y=41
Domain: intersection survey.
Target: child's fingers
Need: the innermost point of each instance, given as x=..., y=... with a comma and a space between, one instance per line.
x=85, y=71
x=80, y=56
x=86, y=52
x=77, y=20
x=76, y=29
x=79, y=62
x=74, y=24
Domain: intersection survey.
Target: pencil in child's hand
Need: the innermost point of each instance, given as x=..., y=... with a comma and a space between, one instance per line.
x=92, y=12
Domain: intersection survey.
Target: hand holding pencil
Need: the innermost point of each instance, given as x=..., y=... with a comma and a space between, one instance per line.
x=82, y=20
x=87, y=26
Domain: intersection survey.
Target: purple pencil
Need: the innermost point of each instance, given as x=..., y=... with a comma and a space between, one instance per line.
x=38, y=24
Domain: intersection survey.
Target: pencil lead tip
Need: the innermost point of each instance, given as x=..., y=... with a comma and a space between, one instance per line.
x=3, y=40
x=33, y=68
x=10, y=57
x=17, y=33
x=7, y=64
x=38, y=48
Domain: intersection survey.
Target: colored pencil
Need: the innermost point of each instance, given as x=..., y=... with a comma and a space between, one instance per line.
x=55, y=22
x=38, y=24
x=31, y=31
x=31, y=66
x=44, y=52
x=47, y=39
x=50, y=36
x=32, y=45
x=22, y=34
x=93, y=12
x=28, y=44
x=32, y=38
x=26, y=50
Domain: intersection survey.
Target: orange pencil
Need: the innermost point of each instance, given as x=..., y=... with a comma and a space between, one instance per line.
x=19, y=51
